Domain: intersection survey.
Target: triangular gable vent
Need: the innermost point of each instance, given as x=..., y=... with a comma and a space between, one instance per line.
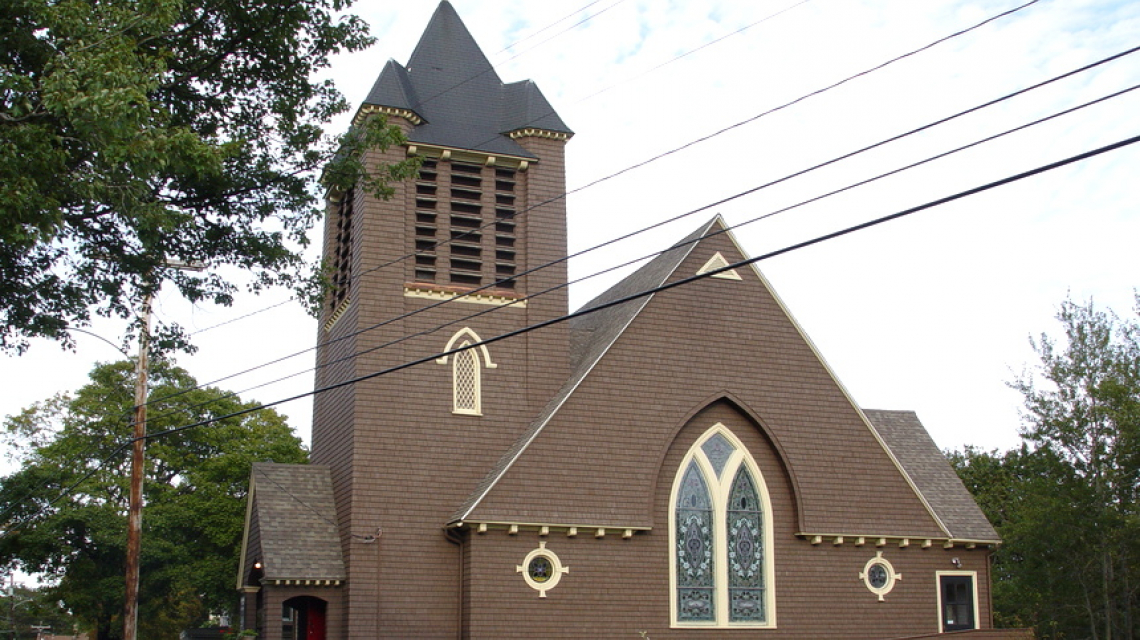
x=718, y=262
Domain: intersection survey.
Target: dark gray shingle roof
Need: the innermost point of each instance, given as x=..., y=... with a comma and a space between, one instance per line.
x=297, y=520
x=451, y=85
x=932, y=474
x=591, y=336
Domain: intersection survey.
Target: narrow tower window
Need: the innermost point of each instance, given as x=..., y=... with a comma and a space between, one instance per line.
x=467, y=366
x=466, y=382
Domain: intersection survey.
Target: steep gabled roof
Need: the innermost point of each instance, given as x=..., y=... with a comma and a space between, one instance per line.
x=591, y=335
x=932, y=474
x=450, y=84
x=291, y=505
x=931, y=485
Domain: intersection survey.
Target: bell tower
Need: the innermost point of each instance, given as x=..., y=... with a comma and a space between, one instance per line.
x=467, y=251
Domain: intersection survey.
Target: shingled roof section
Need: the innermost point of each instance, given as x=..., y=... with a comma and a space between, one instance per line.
x=297, y=520
x=452, y=86
x=592, y=335
x=932, y=474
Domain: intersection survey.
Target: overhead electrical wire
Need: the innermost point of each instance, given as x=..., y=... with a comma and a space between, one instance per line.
x=660, y=156
x=549, y=26
x=595, y=247
x=911, y=53
x=697, y=141
x=703, y=208
x=243, y=317
x=718, y=133
x=659, y=66
x=691, y=52
x=566, y=30
x=428, y=99
x=606, y=305
x=672, y=285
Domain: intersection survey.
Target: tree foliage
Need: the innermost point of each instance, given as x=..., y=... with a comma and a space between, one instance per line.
x=133, y=132
x=196, y=482
x=1064, y=502
x=27, y=611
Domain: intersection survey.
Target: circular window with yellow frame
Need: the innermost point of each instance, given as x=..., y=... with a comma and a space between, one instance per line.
x=541, y=569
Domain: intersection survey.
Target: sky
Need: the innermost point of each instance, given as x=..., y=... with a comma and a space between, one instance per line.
x=931, y=313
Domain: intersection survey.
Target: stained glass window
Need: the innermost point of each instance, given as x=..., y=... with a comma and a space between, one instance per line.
x=719, y=537
x=718, y=449
x=745, y=521
x=694, y=527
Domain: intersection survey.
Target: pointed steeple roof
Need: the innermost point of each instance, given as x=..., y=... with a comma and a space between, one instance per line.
x=451, y=85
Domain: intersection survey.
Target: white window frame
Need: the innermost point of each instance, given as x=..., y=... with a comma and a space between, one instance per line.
x=719, y=489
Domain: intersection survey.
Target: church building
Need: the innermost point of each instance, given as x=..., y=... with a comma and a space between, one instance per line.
x=675, y=460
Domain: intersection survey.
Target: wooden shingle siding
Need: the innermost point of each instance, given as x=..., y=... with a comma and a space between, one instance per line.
x=582, y=426
x=616, y=587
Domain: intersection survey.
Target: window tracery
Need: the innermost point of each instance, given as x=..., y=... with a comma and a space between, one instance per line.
x=720, y=540
x=468, y=356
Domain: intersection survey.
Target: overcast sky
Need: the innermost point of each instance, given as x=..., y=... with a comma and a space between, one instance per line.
x=931, y=313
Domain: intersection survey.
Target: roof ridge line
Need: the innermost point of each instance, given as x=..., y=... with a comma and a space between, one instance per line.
x=586, y=368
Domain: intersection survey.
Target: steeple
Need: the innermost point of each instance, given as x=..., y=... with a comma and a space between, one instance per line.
x=454, y=97
x=481, y=227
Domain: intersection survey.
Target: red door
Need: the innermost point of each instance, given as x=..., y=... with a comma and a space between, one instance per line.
x=315, y=626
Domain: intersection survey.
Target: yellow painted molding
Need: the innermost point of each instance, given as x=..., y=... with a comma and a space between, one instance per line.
x=369, y=109
x=335, y=317
x=531, y=132
x=432, y=292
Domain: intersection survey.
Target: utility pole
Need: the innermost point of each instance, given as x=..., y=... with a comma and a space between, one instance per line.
x=138, y=449
x=138, y=461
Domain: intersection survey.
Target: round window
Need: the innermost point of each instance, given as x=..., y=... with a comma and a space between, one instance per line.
x=542, y=569
x=879, y=575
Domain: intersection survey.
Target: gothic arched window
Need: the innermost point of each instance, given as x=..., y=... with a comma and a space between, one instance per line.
x=466, y=382
x=467, y=371
x=721, y=537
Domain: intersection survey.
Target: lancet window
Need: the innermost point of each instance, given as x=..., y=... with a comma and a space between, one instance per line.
x=721, y=537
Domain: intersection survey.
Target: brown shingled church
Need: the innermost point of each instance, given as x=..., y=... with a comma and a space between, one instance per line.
x=677, y=465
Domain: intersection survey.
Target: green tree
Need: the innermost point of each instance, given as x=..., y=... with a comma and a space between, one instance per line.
x=1065, y=501
x=196, y=482
x=138, y=131
x=26, y=610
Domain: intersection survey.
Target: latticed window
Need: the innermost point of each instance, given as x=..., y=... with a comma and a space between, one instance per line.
x=722, y=570
x=466, y=382
x=467, y=365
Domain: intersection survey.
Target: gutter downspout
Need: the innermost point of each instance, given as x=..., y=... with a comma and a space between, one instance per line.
x=455, y=537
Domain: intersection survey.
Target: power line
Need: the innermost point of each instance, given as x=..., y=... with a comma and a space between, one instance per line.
x=771, y=183
x=449, y=89
x=243, y=317
x=549, y=26
x=708, y=137
x=692, y=212
x=628, y=298
x=692, y=51
x=407, y=256
x=671, y=285
x=707, y=207
x=566, y=30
